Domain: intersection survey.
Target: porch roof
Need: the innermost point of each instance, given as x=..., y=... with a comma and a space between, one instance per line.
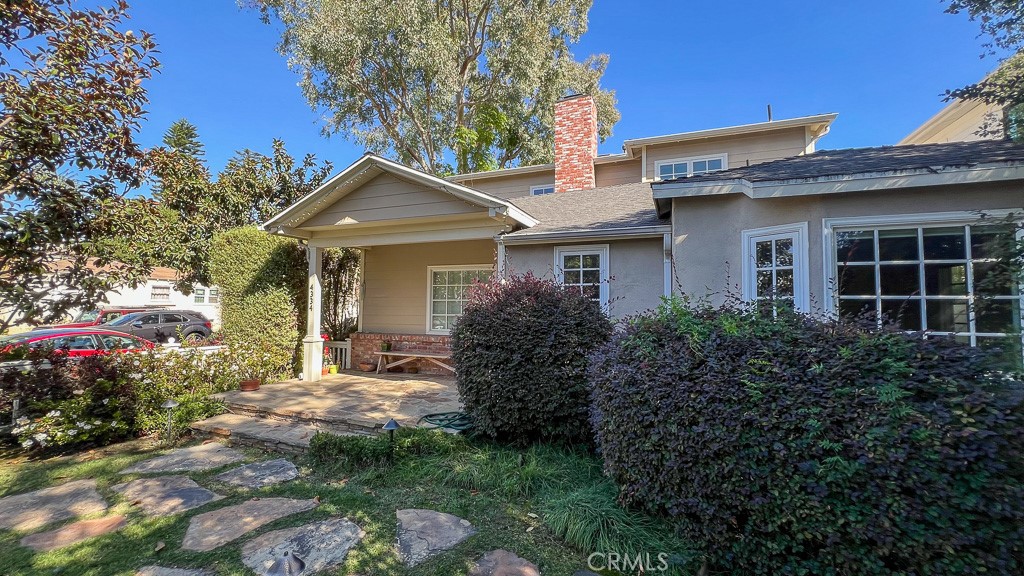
x=305, y=218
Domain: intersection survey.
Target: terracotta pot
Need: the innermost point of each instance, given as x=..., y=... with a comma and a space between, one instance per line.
x=323, y=371
x=249, y=385
x=367, y=366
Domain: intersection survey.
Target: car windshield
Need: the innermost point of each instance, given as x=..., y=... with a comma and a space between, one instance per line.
x=126, y=319
x=87, y=316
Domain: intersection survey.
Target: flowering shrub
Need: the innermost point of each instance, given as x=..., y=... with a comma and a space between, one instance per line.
x=791, y=445
x=95, y=416
x=214, y=339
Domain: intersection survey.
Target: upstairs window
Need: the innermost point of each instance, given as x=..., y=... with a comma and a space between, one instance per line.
x=542, y=189
x=686, y=167
x=160, y=293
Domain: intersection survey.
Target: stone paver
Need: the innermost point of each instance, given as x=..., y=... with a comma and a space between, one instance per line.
x=34, y=510
x=260, y=474
x=503, y=563
x=218, y=527
x=190, y=459
x=163, y=571
x=73, y=533
x=321, y=545
x=165, y=495
x=426, y=533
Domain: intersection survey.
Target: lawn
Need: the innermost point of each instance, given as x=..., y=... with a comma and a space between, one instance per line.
x=548, y=505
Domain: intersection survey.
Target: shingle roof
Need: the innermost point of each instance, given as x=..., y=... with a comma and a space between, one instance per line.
x=881, y=159
x=622, y=206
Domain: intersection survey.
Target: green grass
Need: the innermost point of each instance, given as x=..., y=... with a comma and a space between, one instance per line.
x=548, y=505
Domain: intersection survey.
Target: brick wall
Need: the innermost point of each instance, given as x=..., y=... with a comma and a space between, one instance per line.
x=575, y=143
x=365, y=344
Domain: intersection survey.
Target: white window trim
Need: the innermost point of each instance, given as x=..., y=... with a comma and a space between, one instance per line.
x=534, y=188
x=195, y=294
x=690, y=160
x=801, y=261
x=829, y=227
x=581, y=249
x=430, y=288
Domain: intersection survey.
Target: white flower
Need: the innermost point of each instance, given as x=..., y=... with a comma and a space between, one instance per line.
x=97, y=422
x=73, y=431
x=86, y=427
x=53, y=413
x=26, y=444
x=41, y=438
x=78, y=392
x=21, y=421
x=105, y=400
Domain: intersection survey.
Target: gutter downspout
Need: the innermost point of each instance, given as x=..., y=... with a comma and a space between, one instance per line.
x=500, y=239
x=667, y=263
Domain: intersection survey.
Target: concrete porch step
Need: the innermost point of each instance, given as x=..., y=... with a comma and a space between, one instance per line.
x=241, y=430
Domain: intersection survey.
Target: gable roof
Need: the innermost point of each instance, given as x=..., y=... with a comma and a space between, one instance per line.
x=367, y=168
x=622, y=210
x=818, y=124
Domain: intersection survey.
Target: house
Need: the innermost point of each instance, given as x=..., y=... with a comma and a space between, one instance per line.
x=750, y=209
x=159, y=290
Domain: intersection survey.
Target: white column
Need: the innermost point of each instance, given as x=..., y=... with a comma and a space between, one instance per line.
x=312, y=344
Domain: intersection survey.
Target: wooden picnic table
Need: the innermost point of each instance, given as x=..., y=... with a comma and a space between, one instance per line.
x=385, y=359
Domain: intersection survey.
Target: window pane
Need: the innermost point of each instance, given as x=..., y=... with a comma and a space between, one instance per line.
x=763, y=253
x=988, y=241
x=784, y=283
x=438, y=307
x=944, y=243
x=455, y=307
x=437, y=323
x=680, y=169
x=856, y=308
x=438, y=292
x=897, y=244
x=572, y=277
x=591, y=260
x=665, y=170
x=764, y=283
x=784, y=252
x=856, y=246
x=994, y=279
x=945, y=279
x=904, y=313
x=715, y=164
x=947, y=315
x=857, y=280
x=899, y=279
x=439, y=278
x=570, y=261
x=591, y=276
x=700, y=166
x=997, y=315
x=592, y=291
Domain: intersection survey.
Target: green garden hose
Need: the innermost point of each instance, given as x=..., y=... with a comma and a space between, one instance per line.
x=451, y=420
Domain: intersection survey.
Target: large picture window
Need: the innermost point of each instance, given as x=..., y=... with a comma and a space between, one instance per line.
x=775, y=266
x=448, y=293
x=940, y=278
x=584, y=268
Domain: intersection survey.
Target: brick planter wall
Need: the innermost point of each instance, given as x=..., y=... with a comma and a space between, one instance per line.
x=365, y=344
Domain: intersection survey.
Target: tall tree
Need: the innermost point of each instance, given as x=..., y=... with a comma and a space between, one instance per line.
x=70, y=103
x=183, y=136
x=1002, y=22
x=461, y=85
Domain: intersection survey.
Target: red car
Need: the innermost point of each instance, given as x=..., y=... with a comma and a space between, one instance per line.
x=76, y=341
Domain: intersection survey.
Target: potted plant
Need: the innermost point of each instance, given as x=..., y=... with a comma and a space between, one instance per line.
x=385, y=346
x=326, y=363
x=257, y=368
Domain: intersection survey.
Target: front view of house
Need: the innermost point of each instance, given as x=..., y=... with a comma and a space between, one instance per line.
x=751, y=211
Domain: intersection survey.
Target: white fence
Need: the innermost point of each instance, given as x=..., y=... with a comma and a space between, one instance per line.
x=341, y=353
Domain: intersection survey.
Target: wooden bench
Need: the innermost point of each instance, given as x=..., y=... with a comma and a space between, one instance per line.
x=385, y=359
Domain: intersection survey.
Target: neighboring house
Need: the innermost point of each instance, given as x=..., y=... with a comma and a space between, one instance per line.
x=159, y=290
x=751, y=209
x=960, y=121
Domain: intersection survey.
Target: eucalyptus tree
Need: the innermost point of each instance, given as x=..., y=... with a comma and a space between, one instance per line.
x=442, y=85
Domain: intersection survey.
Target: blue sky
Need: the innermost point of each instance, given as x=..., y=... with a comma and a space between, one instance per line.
x=676, y=66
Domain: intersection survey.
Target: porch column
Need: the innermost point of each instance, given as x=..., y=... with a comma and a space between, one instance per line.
x=312, y=344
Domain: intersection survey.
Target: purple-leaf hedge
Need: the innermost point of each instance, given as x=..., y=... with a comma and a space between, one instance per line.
x=520, y=351
x=795, y=446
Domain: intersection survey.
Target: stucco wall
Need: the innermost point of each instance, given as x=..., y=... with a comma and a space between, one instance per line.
x=395, y=297
x=707, y=237
x=635, y=269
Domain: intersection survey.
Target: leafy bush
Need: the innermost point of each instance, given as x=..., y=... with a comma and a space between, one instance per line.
x=262, y=281
x=347, y=454
x=520, y=352
x=797, y=446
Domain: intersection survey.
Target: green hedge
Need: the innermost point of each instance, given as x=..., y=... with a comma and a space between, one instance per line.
x=262, y=280
x=791, y=445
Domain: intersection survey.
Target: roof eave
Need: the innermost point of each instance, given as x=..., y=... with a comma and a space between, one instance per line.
x=624, y=232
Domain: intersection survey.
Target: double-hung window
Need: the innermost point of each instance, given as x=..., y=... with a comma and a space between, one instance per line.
x=775, y=266
x=199, y=296
x=939, y=276
x=448, y=293
x=542, y=189
x=584, y=268
x=160, y=293
x=685, y=167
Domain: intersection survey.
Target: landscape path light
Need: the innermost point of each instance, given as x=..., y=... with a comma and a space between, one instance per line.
x=169, y=405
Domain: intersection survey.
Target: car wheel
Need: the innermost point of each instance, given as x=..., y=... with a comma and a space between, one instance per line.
x=193, y=338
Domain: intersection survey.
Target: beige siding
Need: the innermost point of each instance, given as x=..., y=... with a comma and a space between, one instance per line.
x=511, y=186
x=708, y=231
x=616, y=173
x=395, y=297
x=742, y=150
x=959, y=122
x=636, y=270
x=388, y=198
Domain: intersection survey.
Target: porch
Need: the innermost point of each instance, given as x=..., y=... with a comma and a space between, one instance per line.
x=284, y=415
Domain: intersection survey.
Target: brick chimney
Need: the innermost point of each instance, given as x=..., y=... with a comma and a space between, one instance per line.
x=575, y=143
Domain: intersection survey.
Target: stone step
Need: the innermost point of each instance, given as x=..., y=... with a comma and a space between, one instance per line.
x=241, y=430
x=335, y=423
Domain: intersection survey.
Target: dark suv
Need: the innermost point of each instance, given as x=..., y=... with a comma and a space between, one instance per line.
x=164, y=325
